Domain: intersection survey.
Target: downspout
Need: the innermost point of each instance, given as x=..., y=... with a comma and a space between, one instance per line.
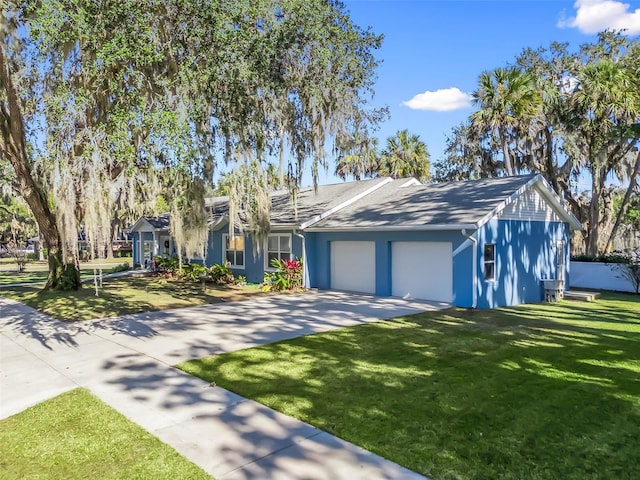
x=474, y=291
x=305, y=268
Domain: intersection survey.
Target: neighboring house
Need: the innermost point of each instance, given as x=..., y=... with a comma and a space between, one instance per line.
x=151, y=238
x=480, y=243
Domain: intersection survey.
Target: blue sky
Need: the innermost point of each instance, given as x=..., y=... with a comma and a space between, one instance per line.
x=434, y=50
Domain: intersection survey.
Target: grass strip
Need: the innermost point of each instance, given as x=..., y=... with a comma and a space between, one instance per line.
x=77, y=436
x=125, y=295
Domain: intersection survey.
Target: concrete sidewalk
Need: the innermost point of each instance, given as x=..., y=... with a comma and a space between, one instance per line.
x=127, y=362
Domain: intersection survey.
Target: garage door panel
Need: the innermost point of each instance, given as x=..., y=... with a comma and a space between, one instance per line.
x=422, y=270
x=353, y=266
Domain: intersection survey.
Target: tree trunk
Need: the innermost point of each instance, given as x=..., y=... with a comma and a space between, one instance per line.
x=505, y=152
x=61, y=275
x=624, y=206
x=552, y=171
x=593, y=215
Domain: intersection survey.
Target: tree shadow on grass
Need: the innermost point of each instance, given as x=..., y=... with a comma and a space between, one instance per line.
x=544, y=391
x=49, y=331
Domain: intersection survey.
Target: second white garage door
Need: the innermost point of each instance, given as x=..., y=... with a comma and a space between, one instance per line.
x=422, y=270
x=353, y=266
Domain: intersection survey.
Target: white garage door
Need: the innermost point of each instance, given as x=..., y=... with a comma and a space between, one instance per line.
x=353, y=266
x=422, y=270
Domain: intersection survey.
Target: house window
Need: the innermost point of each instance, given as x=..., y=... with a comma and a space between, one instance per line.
x=560, y=260
x=234, y=250
x=278, y=246
x=490, y=261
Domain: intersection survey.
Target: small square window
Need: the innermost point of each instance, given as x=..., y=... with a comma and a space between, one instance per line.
x=278, y=247
x=489, y=261
x=234, y=250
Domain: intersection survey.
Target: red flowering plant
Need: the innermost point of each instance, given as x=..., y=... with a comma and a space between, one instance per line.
x=288, y=275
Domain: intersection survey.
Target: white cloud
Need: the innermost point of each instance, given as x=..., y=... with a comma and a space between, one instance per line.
x=442, y=100
x=593, y=16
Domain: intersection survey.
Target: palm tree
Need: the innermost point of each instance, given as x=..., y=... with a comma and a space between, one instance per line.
x=507, y=97
x=359, y=164
x=405, y=155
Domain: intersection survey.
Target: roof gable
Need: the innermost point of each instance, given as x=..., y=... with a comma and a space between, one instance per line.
x=451, y=205
x=529, y=205
x=149, y=224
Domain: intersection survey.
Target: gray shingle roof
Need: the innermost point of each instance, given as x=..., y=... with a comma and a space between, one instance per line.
x=160, y=222
x=451, y=203
x=388, y=205
x=309, y=204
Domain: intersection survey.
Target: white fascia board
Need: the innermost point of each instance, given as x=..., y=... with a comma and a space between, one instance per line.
x=508, y=201
x=344, y=204
x=397, y=228
x=411, y=182
x=284, y=226
x=546, y=191
x=218, y=223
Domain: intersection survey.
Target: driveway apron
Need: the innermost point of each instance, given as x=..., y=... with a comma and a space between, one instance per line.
x=127, y=362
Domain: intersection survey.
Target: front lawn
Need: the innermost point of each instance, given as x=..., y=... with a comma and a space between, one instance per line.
x=542, y=391
x=39, y=276
x=38, y=271
x=125, y=295
x=77, y=436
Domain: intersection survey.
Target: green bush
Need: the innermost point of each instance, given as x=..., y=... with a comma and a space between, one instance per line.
x=609, y=258
x=288, y=276
x=221, y=274
x=193, y=271
x=167, y=265
x=121, y=268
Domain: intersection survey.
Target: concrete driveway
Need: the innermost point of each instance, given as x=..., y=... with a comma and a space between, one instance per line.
x=127, y=362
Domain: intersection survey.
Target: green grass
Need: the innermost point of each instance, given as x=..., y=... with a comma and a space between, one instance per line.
x=124, y=295
x=546, y=391
x=77, y=436
x=28, y=276
x=40, y=276
x=9, y=263
x=37, y=271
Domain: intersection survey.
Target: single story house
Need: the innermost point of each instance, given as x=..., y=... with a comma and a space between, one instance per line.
x=478, y=243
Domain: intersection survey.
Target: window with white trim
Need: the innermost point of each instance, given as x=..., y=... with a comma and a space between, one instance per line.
x=489, y=261
x=278, y=246
x=560, y=260
x=233, y=250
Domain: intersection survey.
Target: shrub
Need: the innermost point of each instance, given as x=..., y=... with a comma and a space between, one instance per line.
x=288, y=275
x=193, y=271
x=18, y=254
x=167, y=265
x=241, y=281
x=121, y=268
x=609, y=258
x=221, y=274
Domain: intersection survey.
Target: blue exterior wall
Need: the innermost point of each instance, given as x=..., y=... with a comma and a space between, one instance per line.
x=319, y=258
x=253, y=264
x=525, y=254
